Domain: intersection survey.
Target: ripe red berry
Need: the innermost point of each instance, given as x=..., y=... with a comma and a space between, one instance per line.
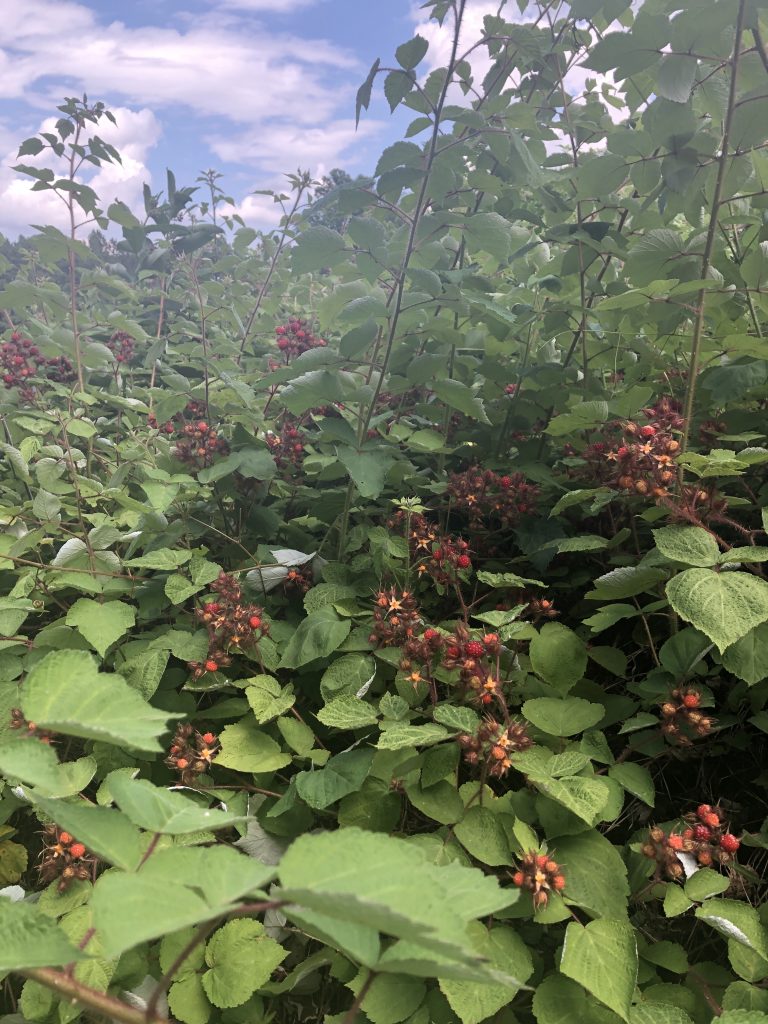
x=453, y=651
x=474, y=649
x=541, y=860
x=518, y=878
x=208, y=737
x=712, y=820
x=211, y=607
x=65, y=838
x=211, y=665
x=692, y=700
x=464, y=561
x=202, y=426
x=505, y=481
x=675, y=842
x=77, y=850
x=701, y=810
x=491, y=639
x=558, y=882
x=430, y=634
x=729, y=843
x=254, y=622
x=648, y=431
x=182, y=763
x=702, y=833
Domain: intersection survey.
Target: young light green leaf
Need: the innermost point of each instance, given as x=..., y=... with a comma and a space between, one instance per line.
x=240, y=958
x=66, y=692
x=603, y=958
x=564, y=717
x=687, y=544
x=29, y=938
x=558, y=656
x=161, y=810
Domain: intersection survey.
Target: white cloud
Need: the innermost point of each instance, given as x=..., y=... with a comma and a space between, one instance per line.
x=136, y=132
x=276, y=99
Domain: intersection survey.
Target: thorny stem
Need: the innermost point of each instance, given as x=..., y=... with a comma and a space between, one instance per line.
x=706, y=259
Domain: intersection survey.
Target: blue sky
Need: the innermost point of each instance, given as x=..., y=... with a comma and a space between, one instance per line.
x=253, y=88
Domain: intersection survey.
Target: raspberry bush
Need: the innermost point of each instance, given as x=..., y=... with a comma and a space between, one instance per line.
x=383, y=611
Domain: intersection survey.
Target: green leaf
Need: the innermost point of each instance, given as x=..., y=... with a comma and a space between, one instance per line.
x=101, y=624
x=367, y=469
x=342, y=775
x=246, y=748
x=476, y=1001
x=705, y=883
x=458, y=718
x=160, y=810
x=675, y=77
x=687, y=544
x=347, y=712
x=482, y=835
x=163, y=558
x=659, y=1013
x=559, y=1000
x=315, y=248
x=748, y=657
x=723, y=605
x=603, y=958
x=558, y=655
x=458, y=396
x=104, y=830
x=391, y=998
x=397, y=735
x=36, y=764
x=675, y=900
x=187, y=1000
x=317, y=636
x=626, y=581
x=65, y=692
x=584, y=797
x=409, y=54
x=737, y=921
x=595, y=874
x=636, y=780
x=29, y=938
x=564, y=717
x=241, y=959
x=489, y=232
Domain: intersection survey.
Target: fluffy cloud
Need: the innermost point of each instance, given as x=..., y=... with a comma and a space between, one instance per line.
x=134, y=135
x=264, y=99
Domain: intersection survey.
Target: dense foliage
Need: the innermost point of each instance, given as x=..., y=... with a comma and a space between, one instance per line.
x=384, y=616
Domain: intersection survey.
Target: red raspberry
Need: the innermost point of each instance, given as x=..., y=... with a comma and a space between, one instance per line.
x=648, y=431
x=712, y=820
x=65, y=838
x=474, y=649
x=701, y=810
x=541, y=860
x=464, y=561
x=729, y=843
x=518, y=878
x=182, y=763
x=505, y=481
x=558, y=882
x=701, y=833
x=211, y=607
x=211, y=665
x=430, y=634
x=622, y=452
x=491, y=639
x=77, y=850
x=675, y=842
x=691, y=700
x=486, y=698
x=208, y=737
x=202, y=426
x=453, y=652
x=254, y=622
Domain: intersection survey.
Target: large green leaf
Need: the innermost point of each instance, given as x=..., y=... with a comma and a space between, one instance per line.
x=505, y=949
x=558, y=655
x=36, y=764
x=160, y=810
x=104, y=830
x=240, y=959
x=688, y=544
x=736, y=921
x=246, y=748
x=725, y=606
x=595, y=874
x=603, y=958
x=101, y=624
x=66, y=692
x=30, y=938
x=564, y=717
x=748, y=657
x=317, y=636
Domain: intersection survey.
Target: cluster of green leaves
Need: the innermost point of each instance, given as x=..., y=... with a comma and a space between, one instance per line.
x=534, y=264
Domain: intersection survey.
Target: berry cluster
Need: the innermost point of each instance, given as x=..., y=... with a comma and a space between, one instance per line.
x=539, y=875
x=682, y=721
x=540, y=608
x=199, y=445
x=60, y=369
x=641, y=459
x=486, y=495
x=229, y=623
x=419, y=654
x=493, y=744
x=122, y=345
x=287, y=447
x=295, y=337
x=191, y=752
x=437, y=555
x=21, y=360
x=299, y=580
x=705, y=837
x=478, y=664
x=64, y=858
x=18, y=721
x=395, y=618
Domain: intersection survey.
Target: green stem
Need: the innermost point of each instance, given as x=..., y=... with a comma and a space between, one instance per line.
x=706, y=260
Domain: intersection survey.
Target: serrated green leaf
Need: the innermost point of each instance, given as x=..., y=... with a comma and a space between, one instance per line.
x=101, y=624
